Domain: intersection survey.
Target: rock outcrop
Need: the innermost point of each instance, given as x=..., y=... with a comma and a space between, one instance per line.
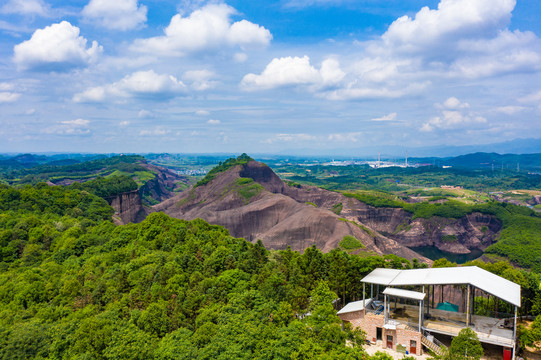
x=128, y=207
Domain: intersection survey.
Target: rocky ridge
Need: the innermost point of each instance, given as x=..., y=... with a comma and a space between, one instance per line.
x=253, y=202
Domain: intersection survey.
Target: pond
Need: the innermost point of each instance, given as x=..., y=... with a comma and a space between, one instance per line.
x=433, y=253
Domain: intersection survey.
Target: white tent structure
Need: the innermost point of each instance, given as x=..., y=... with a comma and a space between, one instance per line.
x=472, y=277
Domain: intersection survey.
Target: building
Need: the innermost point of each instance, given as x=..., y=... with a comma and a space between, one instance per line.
x=403, y=314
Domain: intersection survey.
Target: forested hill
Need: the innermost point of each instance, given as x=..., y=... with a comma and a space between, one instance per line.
x=105, y=176
x=75, y=286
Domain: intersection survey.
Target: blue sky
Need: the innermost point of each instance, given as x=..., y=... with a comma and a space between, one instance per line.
x=266, y=76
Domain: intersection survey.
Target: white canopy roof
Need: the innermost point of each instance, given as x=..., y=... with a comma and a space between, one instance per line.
x=415, y=295
x=354, y=306
x=482, y=279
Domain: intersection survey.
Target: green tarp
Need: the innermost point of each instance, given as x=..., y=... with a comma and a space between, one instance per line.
x=447, y=306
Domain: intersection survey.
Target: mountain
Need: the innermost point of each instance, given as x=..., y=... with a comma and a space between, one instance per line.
x=516, y=146
x=250, y=200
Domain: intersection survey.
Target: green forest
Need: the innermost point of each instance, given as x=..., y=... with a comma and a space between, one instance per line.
x=75, y=286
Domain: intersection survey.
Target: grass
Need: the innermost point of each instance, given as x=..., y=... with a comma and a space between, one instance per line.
x=350, y=243
x=311, y=203
x=337, y=209
x=362, y=227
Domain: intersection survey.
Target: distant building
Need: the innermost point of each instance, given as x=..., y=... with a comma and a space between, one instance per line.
x=410, y=319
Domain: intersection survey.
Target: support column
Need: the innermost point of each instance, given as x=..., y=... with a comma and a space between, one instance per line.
x=384, y=308
x=420, y=315
x=468, y=307
x=364, y=302
x=371, y=291
x=515, y=334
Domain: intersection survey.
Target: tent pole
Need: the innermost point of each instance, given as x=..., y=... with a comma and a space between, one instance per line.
x=515, y=334
x=468, y=307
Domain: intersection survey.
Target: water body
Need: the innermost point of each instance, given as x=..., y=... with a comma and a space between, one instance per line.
x=433, y=253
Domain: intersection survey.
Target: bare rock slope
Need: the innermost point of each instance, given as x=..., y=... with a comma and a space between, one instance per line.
x=254, y=203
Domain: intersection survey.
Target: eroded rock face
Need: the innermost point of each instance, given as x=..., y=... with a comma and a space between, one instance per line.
x=128, y=207
x=283, y=216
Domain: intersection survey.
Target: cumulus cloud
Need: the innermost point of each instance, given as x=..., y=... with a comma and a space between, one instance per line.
x=26, y=7
x=145, y=84
x=453, y=115
x=389, y=117
x=117, y=15
x=290, y=71
x=435, y=29
x=69, y=127
x=214, y=122
x=57, y=47
x=207, y=28
x=200, y=79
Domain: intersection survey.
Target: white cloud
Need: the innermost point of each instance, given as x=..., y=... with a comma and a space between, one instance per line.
x=510, y=109
x=531, y=98
x=26, y=7
x=76, y=122
x=345, y=137
x=240, y=57
x=57, y=47
x=436, y=30
x=289, y=138
x=202, y=113
x=158, y=131
x=207, y=28
x=214, y=122
x=453, y=103
x=9, y=97
x=117, y=15
x=144, y=114
x=139, y=84
x=69, y=127
x=292, y=71
x=200, y=79
x=453, y=115
x=124, y=123
x=282, y=72
x=389, y=117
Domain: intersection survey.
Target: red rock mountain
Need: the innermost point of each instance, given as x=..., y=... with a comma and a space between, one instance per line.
x=254, y=203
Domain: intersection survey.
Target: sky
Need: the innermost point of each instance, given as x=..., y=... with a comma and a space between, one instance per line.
x=192, y=76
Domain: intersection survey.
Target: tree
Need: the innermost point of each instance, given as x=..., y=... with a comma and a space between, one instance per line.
x=465, y=346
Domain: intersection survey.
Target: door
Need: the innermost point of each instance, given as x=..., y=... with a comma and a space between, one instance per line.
x=389, y=342
x=413, y=347
x=378, y=333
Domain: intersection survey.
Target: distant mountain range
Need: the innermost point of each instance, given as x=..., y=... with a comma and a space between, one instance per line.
x=516, y=146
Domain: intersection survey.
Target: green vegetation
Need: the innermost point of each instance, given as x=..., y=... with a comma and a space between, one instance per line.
x=530, y=336
x=360, y=226
x=248, y=188
x=109, y=186
x=465, y=346
x=337, y=209
x=351, y=243
x=222, y=167
x=449, y=238
x=73, y=285
x=311, y=203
